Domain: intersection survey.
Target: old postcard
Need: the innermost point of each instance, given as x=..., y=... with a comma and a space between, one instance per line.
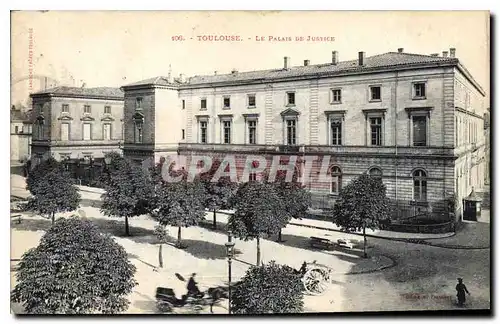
x=180, y=162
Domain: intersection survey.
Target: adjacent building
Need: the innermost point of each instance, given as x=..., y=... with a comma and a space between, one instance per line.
x=414, y=120
x=20, y=135
x=76, y=123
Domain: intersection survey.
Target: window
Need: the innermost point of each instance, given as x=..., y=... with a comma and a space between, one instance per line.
x=16, y=129
x=39, y=130
x=86, y=132
x=375, y=93
x=226, y=129
x=252, y=177
x=291, y=132
x=227, y=103
x=251, y=101
x=106, y=131
x=183, y=104
x=138, y=103
x=456, y=131
x=375, y=173
x=203, y=131
x=336, y=183
x=65, y=108
x=64, y=132
x=336, y=131
x=183, y=134
x=376, y=131
x=419, y=90
x=107, y=109
x=419, y=130
x=203, y=104
x=336, y=96
x=290, y=98
x=420, y=185
x=252, y=132
x=138, y=132
x=86, y=109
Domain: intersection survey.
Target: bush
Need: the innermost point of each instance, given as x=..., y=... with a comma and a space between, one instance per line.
x=270, y=288
x=74, y=270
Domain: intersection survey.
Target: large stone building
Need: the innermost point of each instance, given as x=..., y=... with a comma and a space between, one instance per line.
x=77, y=123
x=415, y=120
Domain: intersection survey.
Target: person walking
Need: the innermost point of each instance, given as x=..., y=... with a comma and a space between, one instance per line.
x=461, y=290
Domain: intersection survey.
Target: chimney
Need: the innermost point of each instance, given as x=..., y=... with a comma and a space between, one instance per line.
x=361, y=60
x=306, y=62
x=445, y=53
x=452, y=52
x=335, y=58
x=435, y=54
x=216, y=72
x=400, y=50
x=286, y=62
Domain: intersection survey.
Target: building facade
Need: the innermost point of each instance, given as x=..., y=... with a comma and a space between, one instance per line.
x=414, y=120
x=77, y=123
x=20, y=135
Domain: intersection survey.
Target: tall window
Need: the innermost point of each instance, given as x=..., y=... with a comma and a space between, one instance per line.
x=375, y=173
x=376, y=131
x=336, y=131
x=336, y=183
x=419, y=130
x=65, y=108
x=336, y=96
x=64, y=132
x=39, y=129
x=86, y=109
x=251, y=101
x=183, y=104
x=183, y=134
x=107, y=109
x=87, y=132
x=226, y=130
x=420, y=185
x=203, y=131
x=419, y=90
x=456, y=131
x=138, y=103
x=290, y=98
x=375, y=93
x=291, y=131
x=203, y=104
x=252, y=132
x=106, y=131
x=227, y=103
x=138, y=132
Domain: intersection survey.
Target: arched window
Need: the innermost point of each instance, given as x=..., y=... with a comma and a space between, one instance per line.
x=419, y=185
x=336, y=183
x=375, y=172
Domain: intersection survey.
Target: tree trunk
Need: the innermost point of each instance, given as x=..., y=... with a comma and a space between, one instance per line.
x=160, y=256
x=127, y=230
x=364, y=243
x=215, y=220
x=53, y=217
x=258, y=250
x=279, y=236
x=179, y=237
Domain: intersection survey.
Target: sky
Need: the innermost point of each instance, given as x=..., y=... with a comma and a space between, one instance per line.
x=114, y=48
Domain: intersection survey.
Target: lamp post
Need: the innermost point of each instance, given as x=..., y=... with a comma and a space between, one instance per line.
x=229, y=249
x=107, y=162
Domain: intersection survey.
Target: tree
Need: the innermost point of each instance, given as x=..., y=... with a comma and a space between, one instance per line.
x=129, y=192
x=218, y=194
x=52, y=190
x=74, y=270
x=269, y=288
x=162, y=235
x=179, y=204
x=362, y=204
x=115, y=160
x=259, y=210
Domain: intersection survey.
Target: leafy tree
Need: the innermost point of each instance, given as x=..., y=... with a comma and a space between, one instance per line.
x=362, y=204
x=129, y=192
x=179, y=204
x=269, y=288
x=52, y=190
x=115, y=160
x=74, y=270
x=218, y=194
x=259, y=210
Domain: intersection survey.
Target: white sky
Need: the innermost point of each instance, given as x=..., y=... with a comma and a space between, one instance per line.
x=116, y=48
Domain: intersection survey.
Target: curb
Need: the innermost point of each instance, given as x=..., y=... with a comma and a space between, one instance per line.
x=393, y=264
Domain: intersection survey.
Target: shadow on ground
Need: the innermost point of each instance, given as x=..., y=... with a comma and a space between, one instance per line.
x=204, y=249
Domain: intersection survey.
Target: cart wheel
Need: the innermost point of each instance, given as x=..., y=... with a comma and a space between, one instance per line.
x=316, y=281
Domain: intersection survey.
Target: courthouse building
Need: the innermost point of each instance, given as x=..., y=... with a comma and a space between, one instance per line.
x=414, y=120
x=76, y=123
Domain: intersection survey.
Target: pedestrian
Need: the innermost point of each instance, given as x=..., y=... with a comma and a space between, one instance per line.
x=192, y=287
x=461, y=290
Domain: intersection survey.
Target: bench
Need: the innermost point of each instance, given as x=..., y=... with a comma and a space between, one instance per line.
x=321, y=243
x=16, y=217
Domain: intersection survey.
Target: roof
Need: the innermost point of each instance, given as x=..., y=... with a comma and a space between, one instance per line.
x=19, y=115
x=96, y=93
x=380, y=62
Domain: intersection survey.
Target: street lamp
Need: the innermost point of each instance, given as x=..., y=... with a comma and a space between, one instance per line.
x=107, y=163
x=229, y=249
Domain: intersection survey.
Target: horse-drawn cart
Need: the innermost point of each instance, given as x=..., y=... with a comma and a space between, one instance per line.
x=316, y=277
